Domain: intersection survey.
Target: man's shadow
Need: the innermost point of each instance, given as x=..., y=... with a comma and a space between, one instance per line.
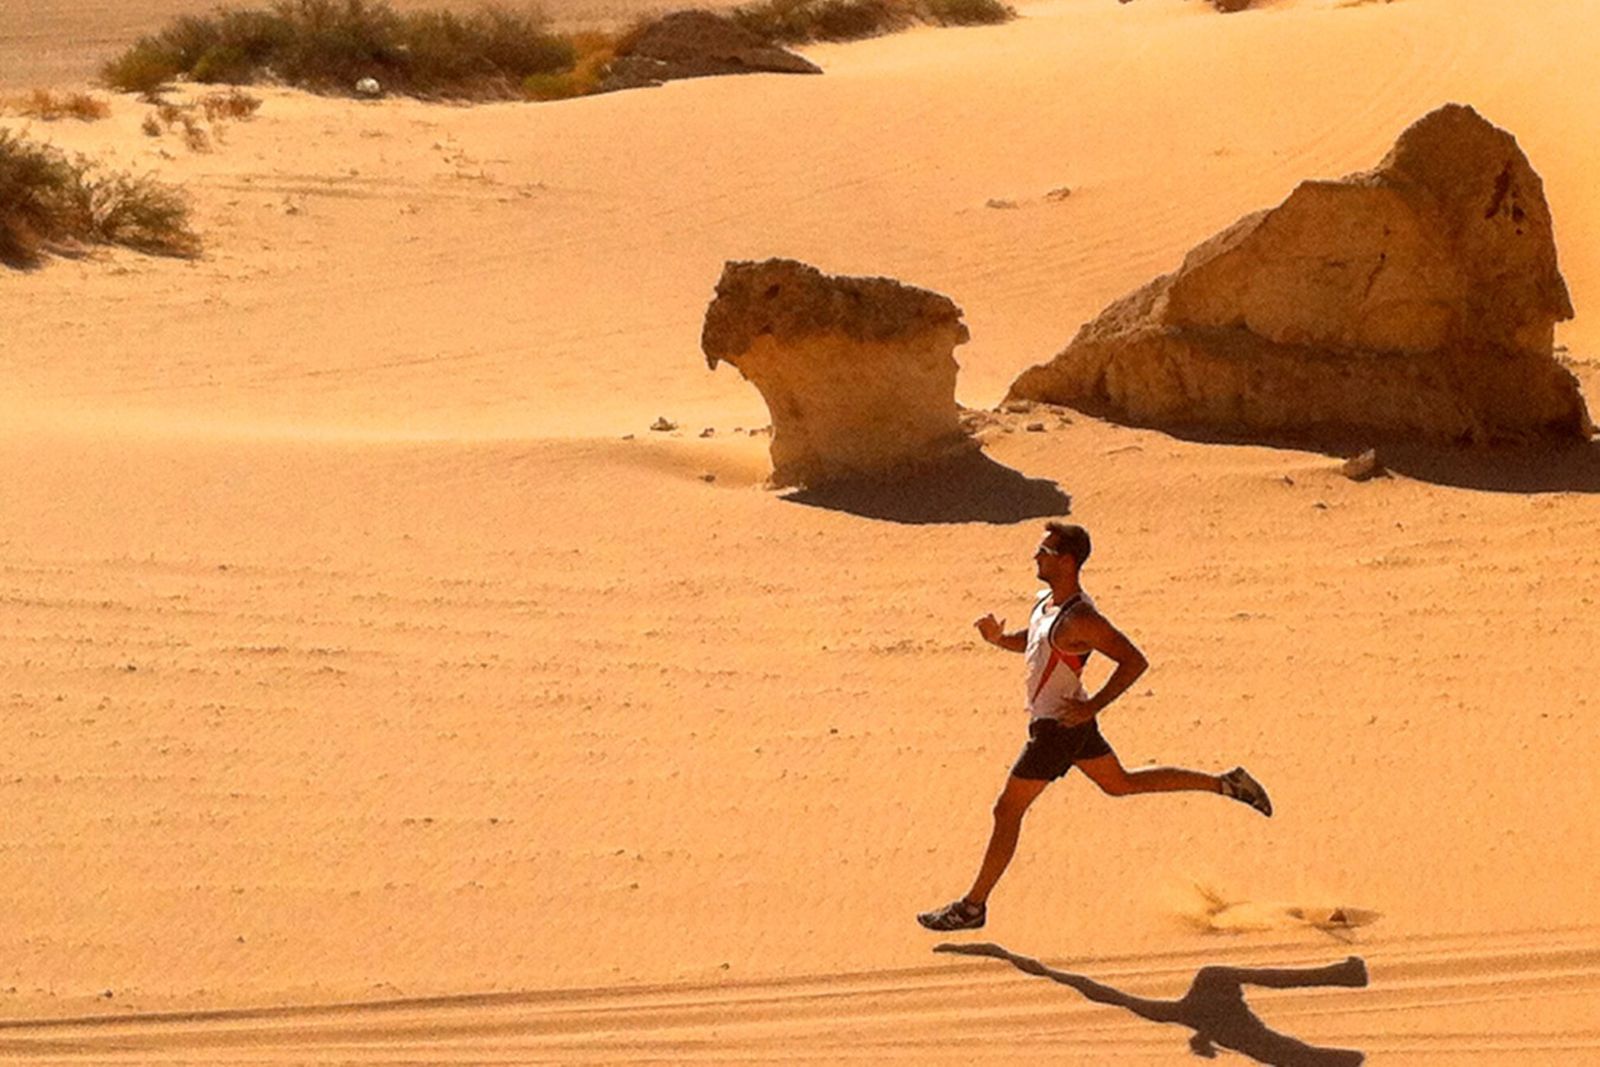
x=1214, y=1006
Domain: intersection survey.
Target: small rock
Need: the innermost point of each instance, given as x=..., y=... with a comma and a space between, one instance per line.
x=1001, y=204
x=627, y=437
x=1320, y=505
x=663, y=424
x=707, y=432
x=1058, y=194
x=1361, y=467
x=1016, y=407
x=1036, y=427
x=707, y=477
x=369, y=87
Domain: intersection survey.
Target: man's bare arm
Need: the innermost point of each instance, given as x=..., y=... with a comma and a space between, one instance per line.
x=1087, y=628
x=993, y=631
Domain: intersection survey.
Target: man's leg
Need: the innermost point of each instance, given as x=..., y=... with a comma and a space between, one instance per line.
x=1108, y=773
x=1013, y=804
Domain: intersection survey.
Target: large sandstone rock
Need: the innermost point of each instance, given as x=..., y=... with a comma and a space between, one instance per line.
x=697, y=44
x=1416, y=301
x=858, y=373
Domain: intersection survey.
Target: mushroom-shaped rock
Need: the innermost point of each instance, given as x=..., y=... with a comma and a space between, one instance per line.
x=1416, y=301
x=858, y=374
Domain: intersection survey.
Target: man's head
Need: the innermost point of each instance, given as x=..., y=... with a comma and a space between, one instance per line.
x=1064, y=547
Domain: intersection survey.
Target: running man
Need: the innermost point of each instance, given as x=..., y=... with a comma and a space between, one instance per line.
x=1062, y=632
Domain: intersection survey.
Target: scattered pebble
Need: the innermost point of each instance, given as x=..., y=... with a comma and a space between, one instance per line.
x=1361, y=467
x=1058, y=194
x=1036, y=427
x=663, y=424
x=707, y=432
x=1001, y=204
x=707, y=477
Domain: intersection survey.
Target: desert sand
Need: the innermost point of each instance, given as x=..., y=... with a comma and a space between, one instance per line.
x=378, y=688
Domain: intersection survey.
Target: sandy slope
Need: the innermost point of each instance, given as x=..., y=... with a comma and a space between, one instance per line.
x=353, y=657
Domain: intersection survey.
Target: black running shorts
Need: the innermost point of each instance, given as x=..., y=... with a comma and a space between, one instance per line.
x=1052, y=749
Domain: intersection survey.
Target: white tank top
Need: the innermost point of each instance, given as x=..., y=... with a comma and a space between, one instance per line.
x=1053, y=676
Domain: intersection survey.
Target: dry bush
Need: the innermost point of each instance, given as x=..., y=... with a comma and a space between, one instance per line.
x=185, y=117
x=138, y=212
x=50, y=203
x=329, y=45
x=494, y=53
x=966, y=12
x=234, y=104
x=593, y=52
x=799, y=21
x=49, y=106
x=147, y=67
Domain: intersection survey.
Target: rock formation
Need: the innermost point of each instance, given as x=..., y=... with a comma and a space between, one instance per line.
x=858, y=373
x=697, y=44
x=1416, y=301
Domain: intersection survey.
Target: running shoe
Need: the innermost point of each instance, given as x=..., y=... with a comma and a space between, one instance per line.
x=1238, y=784
x=957, y=915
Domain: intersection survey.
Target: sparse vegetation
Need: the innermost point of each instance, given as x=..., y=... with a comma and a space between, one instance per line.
x=52, y=203
x=201, y=121
x=593, y=52
x=50, y=106
x=967, y=12
x=233, y=104
x=493, y=54
x=799, y=21
x=329, y=45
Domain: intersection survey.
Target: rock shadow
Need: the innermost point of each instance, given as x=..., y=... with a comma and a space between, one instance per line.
x=1214, y=1006
x=1555, y=466
x=969, y=487
x=1570, y=468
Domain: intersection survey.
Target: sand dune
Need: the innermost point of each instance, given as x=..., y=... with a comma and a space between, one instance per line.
x=369, y=697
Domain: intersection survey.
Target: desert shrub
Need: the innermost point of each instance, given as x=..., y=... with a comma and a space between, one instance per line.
x=518, y=44
x=593, y=52
x=34, y=200
x=144, y=68
x=233, y=104
x=137, y=212
x=799, y=21
x=223, y=63
x=493, y=53
x=184, y=117
x=49, y=106
x=329, y=45
x=50, y=202
x=967, y=12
